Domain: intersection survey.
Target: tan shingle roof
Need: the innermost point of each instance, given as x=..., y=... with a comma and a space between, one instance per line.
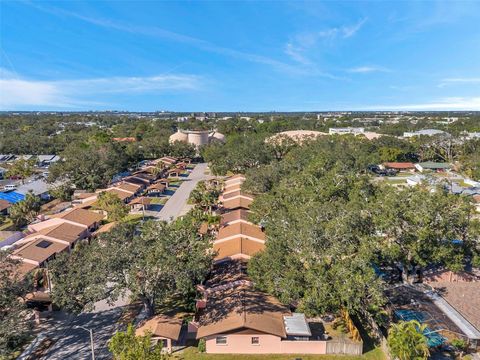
x=161, y=326
x=241, y=308
x=39, y=250
x=65, y=231
x=464, y=297
x=237, y=246
x=120, y=193
x=237, y=203
x=234, y=215
x=4, y=204
x=235, y=194
x=133, y=188
x=140, y=200
x=81, y=216
x=241, y=229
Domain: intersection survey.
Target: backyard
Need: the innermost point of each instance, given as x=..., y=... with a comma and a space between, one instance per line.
x=192, y=353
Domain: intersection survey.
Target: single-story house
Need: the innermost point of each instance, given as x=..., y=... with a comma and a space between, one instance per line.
x=88, y=219
x=4, y=206
x=65, y=233
x=124, y=195
x=239, y=320
x=139, y=203
x=163, y=329
x=434, y=166
x=168, y=160
x=400, y=166
x=156, y=189
x=39, y=251
x=174, y=172
x=137, y=181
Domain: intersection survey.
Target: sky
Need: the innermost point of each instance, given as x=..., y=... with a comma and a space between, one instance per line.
x=239, y=56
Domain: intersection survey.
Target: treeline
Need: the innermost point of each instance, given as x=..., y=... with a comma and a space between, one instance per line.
x=244, y=151
x=329, y=228
x=91, y=164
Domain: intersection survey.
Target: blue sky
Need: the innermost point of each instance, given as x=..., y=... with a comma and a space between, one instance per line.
x=239, y=56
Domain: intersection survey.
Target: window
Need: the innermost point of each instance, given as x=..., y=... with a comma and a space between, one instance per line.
x=255, y=340
x=221, y=340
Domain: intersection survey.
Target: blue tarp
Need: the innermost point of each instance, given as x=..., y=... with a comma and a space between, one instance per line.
x=12, y=196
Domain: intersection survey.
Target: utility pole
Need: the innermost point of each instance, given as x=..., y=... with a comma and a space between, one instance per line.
x=91, y=340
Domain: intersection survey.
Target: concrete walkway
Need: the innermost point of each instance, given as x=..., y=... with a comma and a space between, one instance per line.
x=174, y=206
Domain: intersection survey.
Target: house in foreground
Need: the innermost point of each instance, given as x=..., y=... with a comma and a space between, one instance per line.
x=163, y=329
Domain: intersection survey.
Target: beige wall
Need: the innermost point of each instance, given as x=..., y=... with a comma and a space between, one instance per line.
x=269, y=344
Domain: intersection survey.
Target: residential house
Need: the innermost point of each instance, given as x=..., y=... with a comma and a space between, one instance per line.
x=156, y=189
x=433, y=166
x=163, y=329
x=140, y=203
x=238, y=240
x=4, y=206
x=400, y=166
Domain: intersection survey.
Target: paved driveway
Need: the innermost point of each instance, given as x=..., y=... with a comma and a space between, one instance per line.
x=72, y=342
x=174, y=206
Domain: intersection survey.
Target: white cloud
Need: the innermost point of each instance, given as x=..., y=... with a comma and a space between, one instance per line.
x=450, y=81
x=17, y=92
x=367, y=69
x=450, y=103
x=302, y=42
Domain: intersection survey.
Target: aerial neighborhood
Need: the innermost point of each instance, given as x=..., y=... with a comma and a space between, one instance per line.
x=323, y=238
x=240, y=180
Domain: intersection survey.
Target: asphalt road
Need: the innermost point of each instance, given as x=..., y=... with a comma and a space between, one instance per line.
x=174, y=206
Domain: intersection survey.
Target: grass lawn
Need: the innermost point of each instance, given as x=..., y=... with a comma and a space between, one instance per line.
x=158, y=200
x=192, y=353
x=6, y=225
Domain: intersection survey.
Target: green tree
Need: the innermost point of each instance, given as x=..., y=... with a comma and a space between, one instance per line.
x=418, y=227
x=156, y=262
x=238, y=154
x=204, y=197
x=124, y=345
x=89, y=165
x=406, y=341
x=22, y=168
x=182, y=149
x=63, y=192
x=25, y=211
x=114, y=207
x=14, y=315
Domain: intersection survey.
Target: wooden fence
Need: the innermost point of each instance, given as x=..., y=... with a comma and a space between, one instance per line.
x=344, y=347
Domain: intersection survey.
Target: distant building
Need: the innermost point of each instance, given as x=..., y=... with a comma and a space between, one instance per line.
x=425, y=132
x=196, y=137
x=347, y=130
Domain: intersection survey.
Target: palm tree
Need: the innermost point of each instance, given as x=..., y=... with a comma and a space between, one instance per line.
x=406, y=341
